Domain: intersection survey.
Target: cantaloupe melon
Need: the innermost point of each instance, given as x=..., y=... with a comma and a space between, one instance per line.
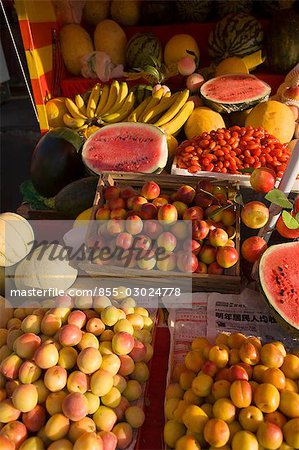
x=95, y=11
x=125, y=12
x=275, y=117
x=111, y=39
x=16, y=238
x=177, y=46
x=75, y=43
x=202, y=120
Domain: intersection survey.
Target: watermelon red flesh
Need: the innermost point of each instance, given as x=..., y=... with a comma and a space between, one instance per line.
x=126, y=147
x=236, y=92
x=279, y=270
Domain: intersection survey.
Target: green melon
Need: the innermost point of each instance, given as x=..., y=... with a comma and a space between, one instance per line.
x=270, y=6
x=225, y=7
x=235, y=35
x=141, y=48
x=193, y=10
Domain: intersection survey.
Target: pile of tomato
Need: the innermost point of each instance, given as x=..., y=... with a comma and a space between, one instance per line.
x=232, y=150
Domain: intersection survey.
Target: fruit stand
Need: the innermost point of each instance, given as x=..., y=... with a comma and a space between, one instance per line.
x=149, y=280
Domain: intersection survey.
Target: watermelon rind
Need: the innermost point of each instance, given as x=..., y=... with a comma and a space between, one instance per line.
x=237, y=105
x=292, y=325
x=118, y=132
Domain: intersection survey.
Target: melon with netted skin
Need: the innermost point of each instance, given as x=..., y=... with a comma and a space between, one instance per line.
x=235, y=92
x=126, y=147
x=279, y=281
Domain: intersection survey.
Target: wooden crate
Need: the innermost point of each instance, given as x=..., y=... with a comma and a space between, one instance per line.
x=230, y=282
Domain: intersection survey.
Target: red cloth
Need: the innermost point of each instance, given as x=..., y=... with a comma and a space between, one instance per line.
x=151, y=433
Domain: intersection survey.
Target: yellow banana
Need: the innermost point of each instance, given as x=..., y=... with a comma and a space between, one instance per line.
x=72, y=122
x=171, y=113
x=93, y=101
x=103, y=99
x=162, y=106
x=168, y=94
x=122, y=95
x=73, y=109
x=121, y=115
x=113, y=94
x=135, y=115
x=80, y=104
x=155, y=98
x=178, y=121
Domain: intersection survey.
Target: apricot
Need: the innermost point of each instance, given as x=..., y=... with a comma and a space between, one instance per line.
x=289, y=404
x=269, y=435
x=100, y=302
x=244, y=440
x=262, y=179
x=291, y=432
x=122, y=343
x=104, y=418
x=221, y=389
x=25, y=397
x=256, y=342
x=85, y=425
x=69, y=335
x=250, y=418
x=241, y=393
x=5, y=443
x=54, y=402
x=180, y=410
x=255, y=215
x=194, y=418
x=8, y=412
x=271, y=356
x=202, y=385
x=216, y=432
x=140, y=372
x=187, y=443
x=35, y=419
x=266, y=397
x=227, y=256
x=32, y=443
x=258, y=373
x=133, y=390
x=110, y=316
x=111, y=363
x=112, y=398
x=124, y=434
x=219, y=355
x=276, y=377
x=90, y=340
x=109, y=440
x=224, y=409
x=89, y=360
x=290, y=366
x=194, y=360
x=57, y=427
x=253, y=248
x=276, y=417
x=75, y=406
x=127, y=365
x=89, y=441
x=234, y=427
x=67, y=357
x=26, y=345
x=10, y=366
x=237, y=372
x=15, y=432
x=61, y=444
x=78, y=382
x=50, y=324
x=42, y=391
x=249, y=354
x=46, y=356
x=209, y=368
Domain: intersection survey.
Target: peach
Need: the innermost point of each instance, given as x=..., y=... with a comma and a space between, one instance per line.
x=25, y=397
x=50, y=324
x=104, y=418
x=185, y=194
x=118, y=213
x=193, y=213
x=15, y=432
x=150, y=190
x=101, y=382
x=35, y=419
x=237, y=372
x=218, y=237
x=192, y=246
x=26, y=345
x=249, y=354
x=194, y=360
x=203, y=200
x=111, y=363
x=114, y=227
x=186, y=262
x=271, y=356
x=85, y=425
x=200, y=230
x=269, y=435
x=186, y=66
x=55, y=378
x=112, y=192
x=266, y=397
x=75, y=406
x=103, y=213
x=181, y=208
x=276, y=377
x=136, y=202
x=167, y=214
x=291, y=432
x=224, y=409
x=244, y=440
x=173, y=431
x=276, y=417
x=180, y=230
x=116, y=203
x=133, y=390
x=110, y=316
x=109, y=440
x=219, y=355
x=228, y=217
x=6, y=444
x=250, y=418
x=252, y=248
x=42, y=391
x=194, y=418
x=263, y=179
x=46, y=356
x=127, y=365
x=241, y=393
x=140, y=372
x=78, y=382
x=61, y=444
x=255, y=215
x=289, y=404
x=152, y=228
x=216, y=432
x=207, y=254
x=201, y=268
x=67, y=357
x=167, y=241
x=227, y=256
x=89, y=360
x=215, y=269
x=258, y=372
x=127, y=192
x=290, y=366
x=202, y=385
x=90, y=340
x=10, y=366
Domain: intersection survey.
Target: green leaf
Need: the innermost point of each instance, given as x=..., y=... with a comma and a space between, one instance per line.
x=279, y=198
x=289, y=221
x=239, y=199
x=246, y=170
x=218, y=210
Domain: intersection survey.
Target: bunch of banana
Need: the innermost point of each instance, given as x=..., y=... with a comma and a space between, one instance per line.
x=166, y=111
x=108, y=104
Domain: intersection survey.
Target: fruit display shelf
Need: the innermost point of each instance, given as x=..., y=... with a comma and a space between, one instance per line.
x=229, y=282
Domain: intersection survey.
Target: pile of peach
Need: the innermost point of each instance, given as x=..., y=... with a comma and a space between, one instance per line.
x=235, y=394
x=70, y=378
x=140, y=222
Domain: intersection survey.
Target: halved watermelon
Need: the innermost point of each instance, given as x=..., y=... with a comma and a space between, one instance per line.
x=279, y=280
x=126, y=147
x=234, y=92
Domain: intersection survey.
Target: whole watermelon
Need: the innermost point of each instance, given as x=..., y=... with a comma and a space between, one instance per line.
x=225, y=7
x=140, y=48
x=56, y=161
x=282, y=41
x=158, y=12
x=271, y=6
x=235, y=35
x=193, y=10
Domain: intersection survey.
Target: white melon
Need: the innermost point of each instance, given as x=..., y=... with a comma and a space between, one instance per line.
x=16, y=238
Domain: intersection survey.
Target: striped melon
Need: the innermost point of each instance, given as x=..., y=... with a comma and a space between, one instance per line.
x=225, y=7
x=235, y=35
x=193, y=10
x=140, y=48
